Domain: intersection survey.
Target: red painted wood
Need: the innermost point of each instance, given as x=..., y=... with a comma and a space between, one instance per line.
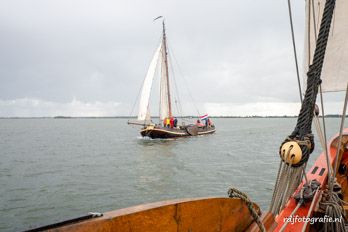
x=304, y=209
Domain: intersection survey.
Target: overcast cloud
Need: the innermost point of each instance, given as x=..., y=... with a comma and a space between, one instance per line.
x=89, y=58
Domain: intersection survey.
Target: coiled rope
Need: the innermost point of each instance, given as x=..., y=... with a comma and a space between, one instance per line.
x=332, y=205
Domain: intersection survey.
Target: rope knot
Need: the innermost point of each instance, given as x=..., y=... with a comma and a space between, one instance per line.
x=308, y=191
x=295, y=150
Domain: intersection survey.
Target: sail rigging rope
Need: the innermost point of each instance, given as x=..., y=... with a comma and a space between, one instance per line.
x=319, y=131
x=290, y=174
x=323, y=141
x=324, y=132
x=339, y=140
x=186, y=83
x=287, y=181
x=304, y=122
x=136, y=99
x=295, y=53
x=302, y=131
x=235, y=193
x=177, y=95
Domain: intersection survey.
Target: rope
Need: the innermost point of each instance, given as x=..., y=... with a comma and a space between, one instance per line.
x=321, y=103
x=329, y=168
x=307, y=146
x=310, y=210
x=303, y=129
x=306, y=194
x=186, y=83
x=295, y=53
x=287, y=182
x=332, y=205
x=302, y=134
x=292, y=214
x=339, y=140
x=176, y=89
x=235, y=193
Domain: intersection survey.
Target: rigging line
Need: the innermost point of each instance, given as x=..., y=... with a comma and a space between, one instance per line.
x=173, y=58
x=314, y=23
x=291, y=215
x=308, y=42
x=310, y=210
x=319, y=131
x=177, y=97
x=321, y=99
x=297, y=70
x=179, y=108
x=340, y=138
x=295, y=53
x=186, y=83
x=136, y=99
x=324, y=129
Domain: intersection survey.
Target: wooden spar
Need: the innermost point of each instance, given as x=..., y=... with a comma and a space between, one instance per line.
x=166, y=68
x=136, y=123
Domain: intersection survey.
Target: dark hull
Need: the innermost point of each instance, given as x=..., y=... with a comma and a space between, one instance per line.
x=166, y=133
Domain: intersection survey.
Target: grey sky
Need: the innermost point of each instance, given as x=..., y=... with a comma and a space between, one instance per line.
x=63, y=53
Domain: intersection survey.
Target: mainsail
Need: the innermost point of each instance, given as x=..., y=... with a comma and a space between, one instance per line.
x=143, y=114
x=335, y=69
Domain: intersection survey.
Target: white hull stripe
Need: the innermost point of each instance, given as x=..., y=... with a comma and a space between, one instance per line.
x=178, y=133
x=170, y=132
x=206, y=132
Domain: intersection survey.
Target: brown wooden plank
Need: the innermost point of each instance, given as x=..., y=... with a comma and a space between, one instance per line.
x=203, y=214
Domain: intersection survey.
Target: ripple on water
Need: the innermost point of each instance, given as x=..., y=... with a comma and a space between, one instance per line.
x=66, y=168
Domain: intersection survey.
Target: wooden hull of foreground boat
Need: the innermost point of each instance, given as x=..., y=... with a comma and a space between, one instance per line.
x=166, y=133
x=318, y=172
x=208, y=214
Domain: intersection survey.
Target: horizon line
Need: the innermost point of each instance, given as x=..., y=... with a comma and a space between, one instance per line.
x=186, y=116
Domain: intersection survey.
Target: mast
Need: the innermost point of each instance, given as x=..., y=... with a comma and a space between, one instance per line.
x=166, y=68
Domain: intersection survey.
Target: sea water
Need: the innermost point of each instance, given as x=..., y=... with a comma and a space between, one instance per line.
x=56, y=169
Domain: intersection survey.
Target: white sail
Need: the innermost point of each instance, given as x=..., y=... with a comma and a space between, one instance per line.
x=146, y=89
x=164, y=92
x=335, y=69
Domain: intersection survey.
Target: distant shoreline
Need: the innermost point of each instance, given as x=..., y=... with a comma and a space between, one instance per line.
x=125, y=117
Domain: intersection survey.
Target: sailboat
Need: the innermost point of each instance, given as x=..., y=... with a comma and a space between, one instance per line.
x=168, y=125
x=312, y=201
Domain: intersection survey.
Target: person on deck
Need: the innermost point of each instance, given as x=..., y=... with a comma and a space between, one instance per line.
x=175, y=122
x=206, y=122
x=171, y=122
x=167, y=122
x=198, y=123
